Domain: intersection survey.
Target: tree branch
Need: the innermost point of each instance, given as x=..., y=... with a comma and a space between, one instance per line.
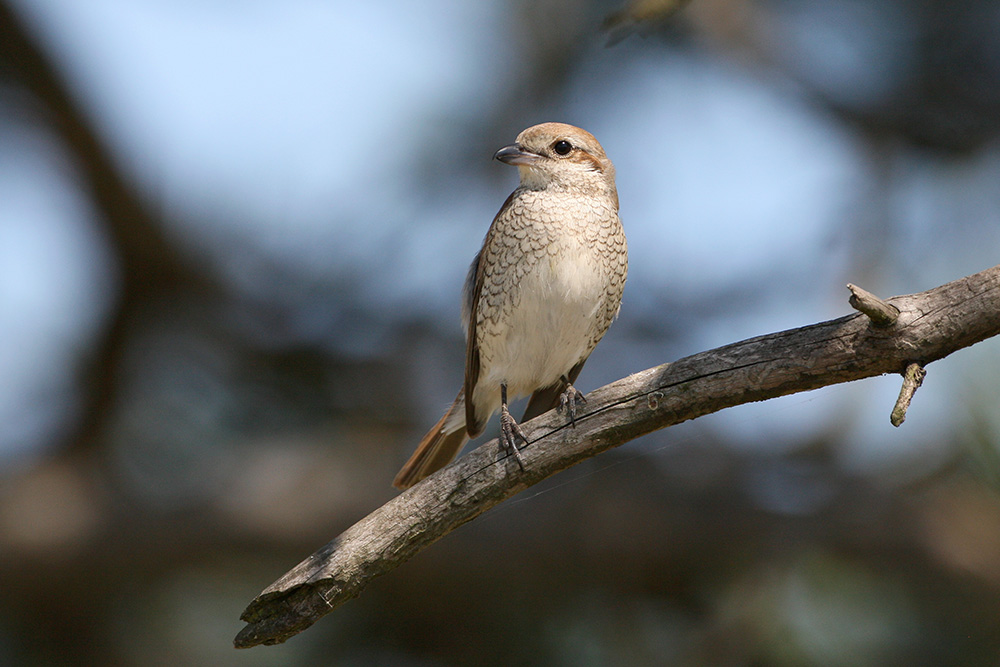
x=929, y=326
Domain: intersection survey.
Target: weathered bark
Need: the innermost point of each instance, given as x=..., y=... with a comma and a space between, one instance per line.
x=929, y=326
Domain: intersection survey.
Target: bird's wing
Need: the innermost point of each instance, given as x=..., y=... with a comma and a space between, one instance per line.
x=475, y=423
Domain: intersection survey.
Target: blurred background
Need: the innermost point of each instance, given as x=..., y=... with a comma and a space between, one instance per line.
x=232, y=243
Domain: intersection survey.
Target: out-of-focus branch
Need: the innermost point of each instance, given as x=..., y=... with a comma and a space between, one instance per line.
x=149, y=265
x=144, y=255
x=929, y=326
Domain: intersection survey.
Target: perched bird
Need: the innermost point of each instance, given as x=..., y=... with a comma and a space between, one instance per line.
x=540, y=294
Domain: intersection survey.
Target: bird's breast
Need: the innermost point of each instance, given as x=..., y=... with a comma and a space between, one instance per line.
x=550, y=290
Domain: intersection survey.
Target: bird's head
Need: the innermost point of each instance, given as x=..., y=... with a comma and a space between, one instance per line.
x=563, y=157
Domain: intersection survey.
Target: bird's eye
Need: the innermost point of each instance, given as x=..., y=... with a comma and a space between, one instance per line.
x=562, y=147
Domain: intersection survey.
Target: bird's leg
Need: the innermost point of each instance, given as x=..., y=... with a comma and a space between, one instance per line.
x=509, y=430
x=569, y=398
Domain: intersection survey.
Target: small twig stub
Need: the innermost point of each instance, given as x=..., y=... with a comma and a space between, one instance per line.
x=881, y=313
x=913, y=377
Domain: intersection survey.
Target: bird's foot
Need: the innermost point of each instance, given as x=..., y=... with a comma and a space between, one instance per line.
x=568, y=400
x=509, y=431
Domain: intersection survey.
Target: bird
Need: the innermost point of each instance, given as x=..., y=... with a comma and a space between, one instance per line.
x=540, y=294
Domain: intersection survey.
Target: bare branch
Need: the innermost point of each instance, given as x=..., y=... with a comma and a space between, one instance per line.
x=930, y=326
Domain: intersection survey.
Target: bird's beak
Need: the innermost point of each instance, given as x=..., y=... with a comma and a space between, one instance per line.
x=513, y=154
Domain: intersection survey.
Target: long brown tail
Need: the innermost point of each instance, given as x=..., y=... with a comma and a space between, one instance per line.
x=441, y=444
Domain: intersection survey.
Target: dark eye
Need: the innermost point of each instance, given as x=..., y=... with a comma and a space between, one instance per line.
x=562, y=147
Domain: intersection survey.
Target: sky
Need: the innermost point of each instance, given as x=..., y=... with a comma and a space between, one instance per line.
x=323, y=137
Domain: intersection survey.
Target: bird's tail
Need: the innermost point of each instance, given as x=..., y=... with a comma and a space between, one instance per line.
x=441, y=444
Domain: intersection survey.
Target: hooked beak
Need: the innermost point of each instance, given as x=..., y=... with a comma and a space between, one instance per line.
x=514, y=155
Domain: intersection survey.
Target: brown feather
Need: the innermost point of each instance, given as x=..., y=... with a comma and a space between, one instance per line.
x=434, y=452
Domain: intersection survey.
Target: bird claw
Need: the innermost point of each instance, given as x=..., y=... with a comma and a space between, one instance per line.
x=568, y=400
x=509, y=431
